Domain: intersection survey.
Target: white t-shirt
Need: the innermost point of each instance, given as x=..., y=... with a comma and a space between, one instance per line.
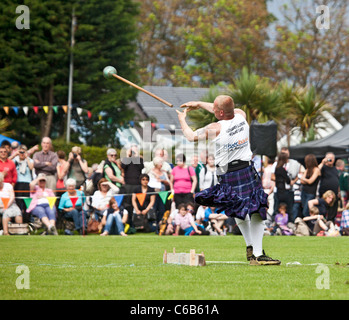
x=233, y=142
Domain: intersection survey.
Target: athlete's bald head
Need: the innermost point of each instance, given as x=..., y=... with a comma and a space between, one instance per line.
x=224, y=107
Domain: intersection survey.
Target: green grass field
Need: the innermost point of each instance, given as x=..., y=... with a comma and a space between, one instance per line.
x=131, y=268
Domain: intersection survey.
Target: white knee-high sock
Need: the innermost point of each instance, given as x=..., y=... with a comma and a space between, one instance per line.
x=257, y=233
x=244, y=226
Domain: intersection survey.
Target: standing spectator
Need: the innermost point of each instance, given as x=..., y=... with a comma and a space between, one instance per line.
x=207, y=176
x=310, y=180
x=112, y=169
x=24, y=166
x=183, y=179
x=39, y=205
x=159, y=152
x=77, y=167
x=159, y=181
x=45, y=161
x=282, y=184
x=269, y=185
x=343, y=181
x=12, y=210
x=8, y=167
x=132, y=165
x=62, y=167
x=14, y=147
x=329, y=181
x=74, y=212
x=7, y=145
x=297, y=200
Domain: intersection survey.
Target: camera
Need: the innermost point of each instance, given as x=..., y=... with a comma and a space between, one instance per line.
x=329, y=160
x=75, y=155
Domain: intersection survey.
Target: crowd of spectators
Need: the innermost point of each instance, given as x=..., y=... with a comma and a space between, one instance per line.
x=309, y=199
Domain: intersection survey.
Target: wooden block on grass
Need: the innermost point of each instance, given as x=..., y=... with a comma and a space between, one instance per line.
x=189, y=259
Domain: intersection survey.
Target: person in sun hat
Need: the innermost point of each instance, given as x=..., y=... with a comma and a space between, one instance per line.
x=239, y=192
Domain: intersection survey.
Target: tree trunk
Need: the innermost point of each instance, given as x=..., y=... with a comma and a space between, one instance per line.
x=46, y=121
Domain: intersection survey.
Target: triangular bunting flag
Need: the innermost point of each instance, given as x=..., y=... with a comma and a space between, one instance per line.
x=27, y=202
x=55, y=109
x=89, y=114
x=74, y=200
x=51, y=201
x=5, y=202
x=36, y=109
x=170, y=196
x=16, y=110
x=141, y=198
x=79, y=111
x=6, y=109
x=163, y=196
x=119, y=199
x=25, y=110
x=99, y=117
x=45, y=108
x=65, y=108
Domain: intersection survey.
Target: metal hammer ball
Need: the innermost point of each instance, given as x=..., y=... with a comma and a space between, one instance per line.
x=108, y=72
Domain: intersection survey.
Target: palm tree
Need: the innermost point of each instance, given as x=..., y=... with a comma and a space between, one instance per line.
x=308, y=112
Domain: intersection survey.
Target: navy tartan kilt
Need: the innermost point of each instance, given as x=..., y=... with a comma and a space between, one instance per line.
x=238, y=193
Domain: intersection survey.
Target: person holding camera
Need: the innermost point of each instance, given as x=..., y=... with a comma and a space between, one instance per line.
x=329, y=181
x=77, y=167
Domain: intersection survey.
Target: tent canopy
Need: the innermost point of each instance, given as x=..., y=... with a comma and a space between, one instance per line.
x=338, y=143
x=2, y=138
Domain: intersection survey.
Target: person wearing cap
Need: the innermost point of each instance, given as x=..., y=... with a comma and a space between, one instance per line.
x=40, y=206
x=24, y=166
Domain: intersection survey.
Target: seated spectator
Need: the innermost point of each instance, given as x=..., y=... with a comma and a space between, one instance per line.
x=11, y=210
x=183, y=179
x=325, y=203
x=77, y=167
x=344, y=227
x=281, y=221
x=200, y=216
x=112, y=169
x=185, y=224
x=207, y=176
x=24, y=166
x=117, y=215
x=141, y=211
x=71, y=211
x=45, y=161
x=317, y=223
x=171, y=226
x=217, y=220
x=39, y=205
x=101, y=197
x=8, y=167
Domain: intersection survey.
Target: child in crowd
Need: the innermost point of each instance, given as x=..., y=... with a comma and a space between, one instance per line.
x=318, y=224
x=185, y=224
x=114, y=214
x=217, y=220
x=281, y=221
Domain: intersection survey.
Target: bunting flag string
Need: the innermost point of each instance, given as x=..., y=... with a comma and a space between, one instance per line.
x=79, y=111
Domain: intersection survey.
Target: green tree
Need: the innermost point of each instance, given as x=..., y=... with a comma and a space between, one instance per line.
x=33, y=61
x=35, y=65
